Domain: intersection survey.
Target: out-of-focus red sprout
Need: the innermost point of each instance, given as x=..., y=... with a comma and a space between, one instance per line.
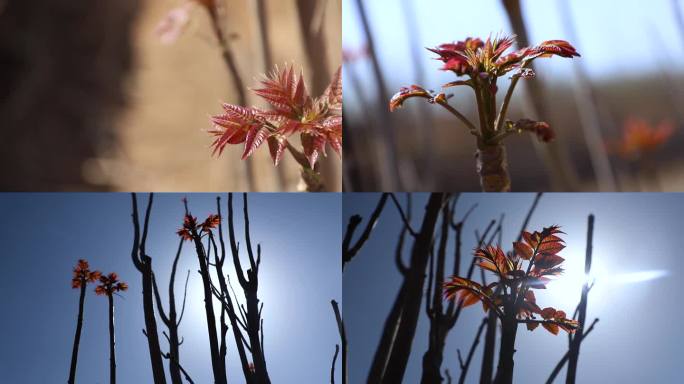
x=640, y=138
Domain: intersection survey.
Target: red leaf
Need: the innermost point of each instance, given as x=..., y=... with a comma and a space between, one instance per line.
x=276, y=146
x=212, y=221
x=522, y=250
x=529, y=239
x=546, y=261
x=551, y=327
x=548, y=312
x=300, y=93
x=255, y=137
x=313, y=146
x=184, y=233
x=285, y=92
x=333, y=94
x=488, y=265
x=468, y=298
x=550, y=247
x=405, y=93
x=233, y=125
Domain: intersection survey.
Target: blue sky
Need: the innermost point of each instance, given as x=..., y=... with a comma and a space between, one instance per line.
x=616, y=39
x=637, y=270
x=43, y=235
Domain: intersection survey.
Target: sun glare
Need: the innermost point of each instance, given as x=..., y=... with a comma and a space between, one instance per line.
x=566, y=289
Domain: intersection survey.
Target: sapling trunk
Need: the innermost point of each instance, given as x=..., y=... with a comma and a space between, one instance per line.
x=110, y=284
x=151, y=323
x=143, y=264
x=77, y=337
x=218, y=367
x=411, y=293
x=509, y=328
x=112, y=354
x=492, y=167
x=433, y=357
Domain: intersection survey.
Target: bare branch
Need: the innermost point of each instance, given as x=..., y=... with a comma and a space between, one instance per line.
x=332, y=368
x=183, y=371
x=565, y=357
x=574, y=348
x=343, y=339
x=529, y=215
x=404, y=217
x=185, y=295
x=157, y=297
x=146, y=224
x=349, y=251
x=471, y=352
x=233, y=244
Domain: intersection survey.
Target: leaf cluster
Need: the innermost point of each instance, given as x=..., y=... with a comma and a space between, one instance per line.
x=529, y=266
x=318, y=121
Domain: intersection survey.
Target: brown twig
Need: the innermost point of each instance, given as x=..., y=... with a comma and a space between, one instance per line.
x=565, y=357
x=465, y=365
x=231, y=66
x=171, y=319
x=576, y=341
x=348, y=250
x=343, y=340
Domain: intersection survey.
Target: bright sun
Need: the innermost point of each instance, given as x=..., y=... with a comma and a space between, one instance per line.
x=565, y=290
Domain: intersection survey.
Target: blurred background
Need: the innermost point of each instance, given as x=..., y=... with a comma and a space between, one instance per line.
x=95, y=95
x=617, y=110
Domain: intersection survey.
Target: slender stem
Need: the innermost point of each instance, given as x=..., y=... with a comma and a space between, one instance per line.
x=349, y=250
x=343, y=340
x=565, y=357
x=77, y=337
x=479, y=102
x=112, y=354
x=502, y=135
x=507, y=100
x=404, y=217
x=576, y=342
x=298, y=156
x=539, y=321
x=466, y=364
x=332, y=368
x=471, y=127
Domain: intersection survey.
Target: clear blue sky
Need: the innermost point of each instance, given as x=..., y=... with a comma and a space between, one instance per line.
x=616, y=38
x=637, y=236
x=43, y=235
